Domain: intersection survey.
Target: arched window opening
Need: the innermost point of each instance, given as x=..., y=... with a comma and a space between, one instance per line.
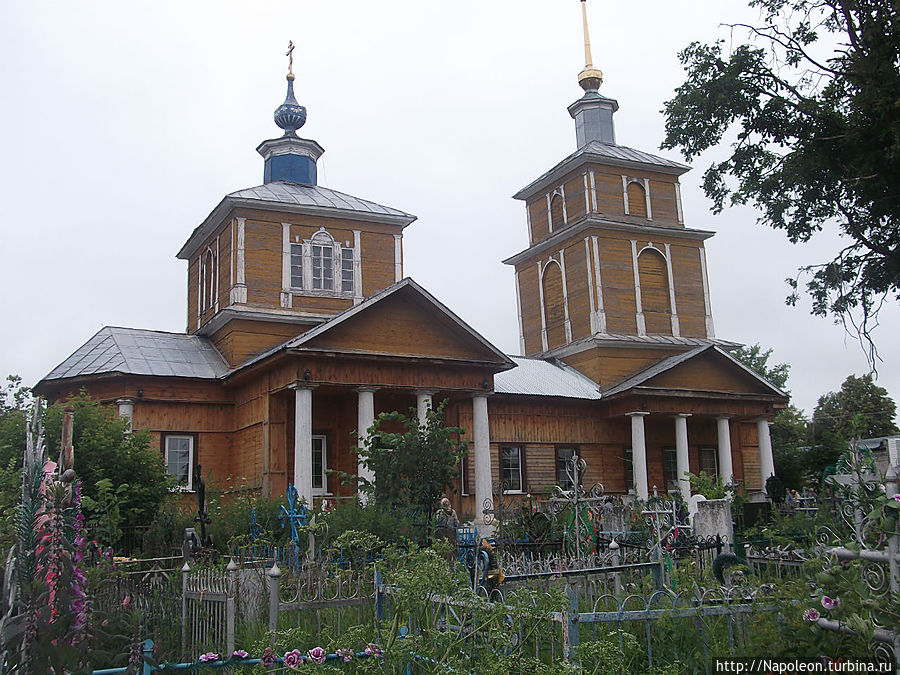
x=322, y=253
x=655, y=302
x=557, y=218
x=554, y=305
x=637, y=200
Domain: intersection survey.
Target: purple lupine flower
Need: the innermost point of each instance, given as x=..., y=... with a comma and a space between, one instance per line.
x=208, y=656
x=897, y=497
x=268, y=658
x=830, y=603
x=293, y=658
x=346, y=654
x=317, y=654
x=811, y=615
x=239, y=654
x=373, y=650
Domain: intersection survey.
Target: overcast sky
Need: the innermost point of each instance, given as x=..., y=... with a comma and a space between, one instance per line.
x=125, y=123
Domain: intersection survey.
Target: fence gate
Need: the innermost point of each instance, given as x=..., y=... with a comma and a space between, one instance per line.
x=207, y=610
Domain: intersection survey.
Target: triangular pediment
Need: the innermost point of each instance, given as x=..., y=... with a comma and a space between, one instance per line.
x=705, y=369
x=406, y=321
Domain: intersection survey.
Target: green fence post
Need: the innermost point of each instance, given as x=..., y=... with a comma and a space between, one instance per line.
x=147, y=669
x=572, y=619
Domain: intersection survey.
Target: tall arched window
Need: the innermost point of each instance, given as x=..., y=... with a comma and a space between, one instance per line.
x=322, y=253
x=637, y=200
x=655, y=302
x=554, y=305
x=208, y=281
x=557, y=216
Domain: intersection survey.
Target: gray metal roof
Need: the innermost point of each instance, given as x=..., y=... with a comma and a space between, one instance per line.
x=281, y=192
x=604, y=152
x=133, y=351
x=537, y=377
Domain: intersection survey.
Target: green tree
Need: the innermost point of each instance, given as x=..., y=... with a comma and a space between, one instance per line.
x=790, y=426
x=813, y=102
x=790, y=444
x=106, y=450
x=413, y=465
x=861, y=409
x=758, y=360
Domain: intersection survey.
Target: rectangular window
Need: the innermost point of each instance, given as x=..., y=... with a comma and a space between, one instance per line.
x=709, y=461
x=511, y=468
x=322, y=267
x=180, y=459
x=628, y=462
x=464, y=476
x=563, y=457
x=296, y=265
x=347, y=270
x=319, y=465
x=670, y=468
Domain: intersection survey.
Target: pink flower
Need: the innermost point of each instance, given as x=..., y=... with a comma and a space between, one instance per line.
x=811, y=615
x=346, y=654
x=317, y=654
x=239, y=654
x=830, y=603
x=293, y=658
x=373, y=650
x=208, y=656
x=268, y=658
x=897, y=497
x=126, y=603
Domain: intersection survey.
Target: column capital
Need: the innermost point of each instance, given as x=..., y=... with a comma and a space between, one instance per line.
x=764, y=418
x=482, y=394
x=637, y=413
x=682, y=415
x=425, y=392
x=301, y=384
x=724, y=417
x=370, y=390
x=125, y=401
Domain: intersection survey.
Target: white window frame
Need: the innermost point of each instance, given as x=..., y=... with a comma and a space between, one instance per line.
x=520, y=490
x=189, y=486
x=302, y=256
x=295, y=261
x=715, y=455
x=320, y=491
x=320, y=243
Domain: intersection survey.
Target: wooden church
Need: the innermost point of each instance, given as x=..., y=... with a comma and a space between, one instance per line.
x=301, y=327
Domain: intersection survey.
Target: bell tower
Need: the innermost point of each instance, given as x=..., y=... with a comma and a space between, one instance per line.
x=610, y=262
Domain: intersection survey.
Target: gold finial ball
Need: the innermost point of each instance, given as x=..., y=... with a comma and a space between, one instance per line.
x=290, y=77
x=590, y=79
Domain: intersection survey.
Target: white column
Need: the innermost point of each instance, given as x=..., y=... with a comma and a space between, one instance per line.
x=398, y=257
x=303, y=441
x=484, y=487
x=726, y=471
x=766, y=460
x=365, y=418
x=126, y=410
x=423, y=405
x=286, y=297
x=239, y=290
x=682, y=462
x=639, y=454
x=357, y=267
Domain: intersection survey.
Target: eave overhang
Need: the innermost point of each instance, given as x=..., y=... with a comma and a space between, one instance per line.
x=219, y=214
x=592, y=220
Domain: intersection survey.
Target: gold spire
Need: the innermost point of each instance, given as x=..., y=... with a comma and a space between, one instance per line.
x=290, y=54
x=590, y=78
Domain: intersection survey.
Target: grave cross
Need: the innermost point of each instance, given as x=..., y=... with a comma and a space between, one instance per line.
x=295, y=514
x=577, y=497
x=490, y=512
